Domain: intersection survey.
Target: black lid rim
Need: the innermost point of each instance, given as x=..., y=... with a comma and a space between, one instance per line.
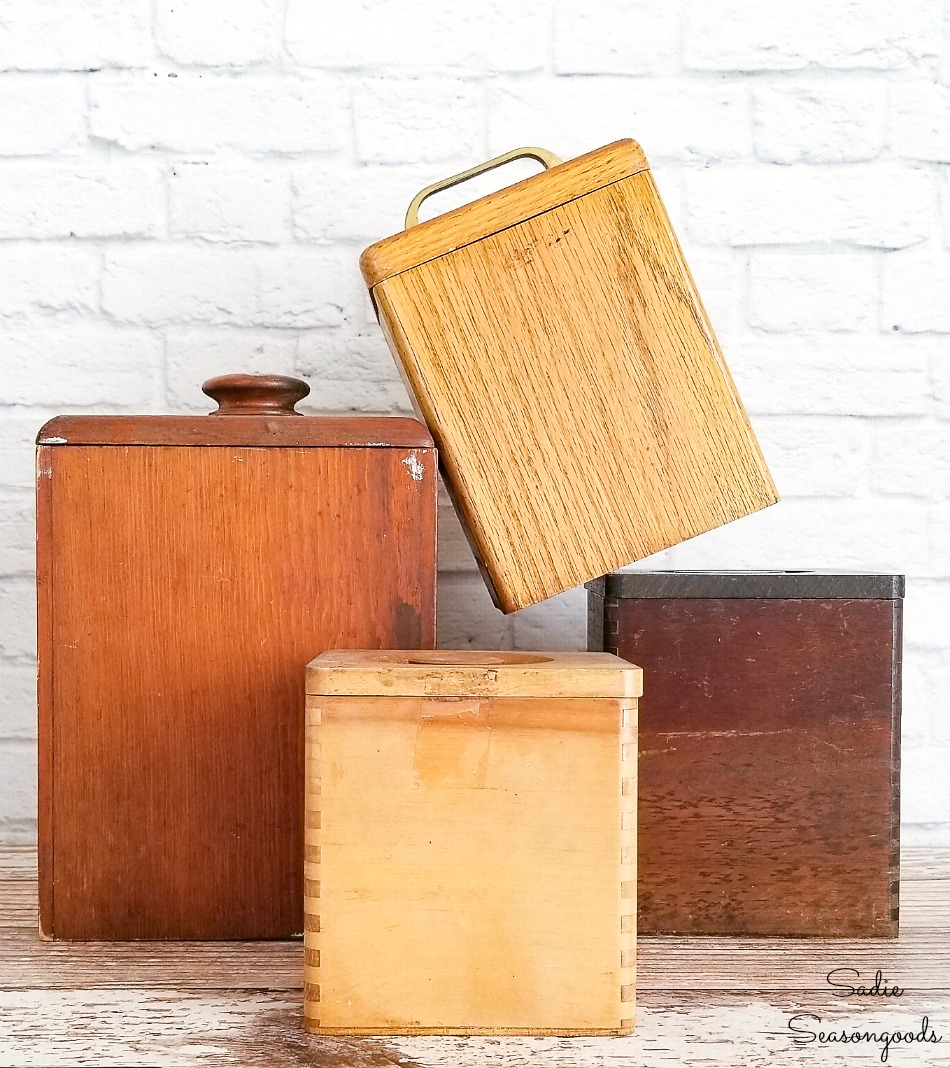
x=791, y=585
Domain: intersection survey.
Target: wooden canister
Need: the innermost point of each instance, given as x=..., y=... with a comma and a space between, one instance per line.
x=558, y=350
x=769, y=747
x=189, y=567
x=470, y=843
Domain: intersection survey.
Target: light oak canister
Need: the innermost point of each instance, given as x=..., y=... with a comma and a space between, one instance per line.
x=558, y=349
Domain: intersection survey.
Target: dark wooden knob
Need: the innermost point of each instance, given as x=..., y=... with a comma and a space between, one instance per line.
x=255, y=394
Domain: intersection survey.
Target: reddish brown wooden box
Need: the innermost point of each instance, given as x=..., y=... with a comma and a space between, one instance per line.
x=769, y=747
x=188, y=570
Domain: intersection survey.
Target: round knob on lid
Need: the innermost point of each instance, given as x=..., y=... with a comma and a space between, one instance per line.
x=255, y=394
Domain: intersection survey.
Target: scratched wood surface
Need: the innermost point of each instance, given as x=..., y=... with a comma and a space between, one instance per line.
x=769, y=767
x=565, y=365
x=475, y=673
x=702, y=1002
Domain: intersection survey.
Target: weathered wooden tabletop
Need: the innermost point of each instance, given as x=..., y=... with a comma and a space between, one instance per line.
x=701, y=1001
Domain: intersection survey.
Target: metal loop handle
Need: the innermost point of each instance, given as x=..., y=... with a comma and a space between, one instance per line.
x=540, y=154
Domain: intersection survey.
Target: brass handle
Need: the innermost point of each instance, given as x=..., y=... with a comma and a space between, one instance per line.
x=540, y=154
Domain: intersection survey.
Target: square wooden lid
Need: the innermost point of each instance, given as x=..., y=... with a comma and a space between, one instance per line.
x=471, y=673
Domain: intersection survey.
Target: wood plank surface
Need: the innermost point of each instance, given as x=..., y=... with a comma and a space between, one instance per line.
x=27, y=962
x=930, y=863
x=751, y=1031
x=580, y=402
x=105, y=1028
x=924, y=904
x=18, y=903
x=920, y=958
x=194, y=1005
x=18, y=862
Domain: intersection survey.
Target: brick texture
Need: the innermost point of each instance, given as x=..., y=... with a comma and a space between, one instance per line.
x=214, y=33
x=187, y=185
x=791, y=293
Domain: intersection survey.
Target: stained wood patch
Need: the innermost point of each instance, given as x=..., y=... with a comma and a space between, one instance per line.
x=177, y=628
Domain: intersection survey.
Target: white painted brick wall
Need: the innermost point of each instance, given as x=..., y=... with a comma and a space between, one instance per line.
x=819, y=121
x=812, y=291
x=187, y=184
x=199, y=112
x=78, y=199
x=884, y=204
x=218, y=33
x=41, y=115
x=230, y=201
x=914, y=290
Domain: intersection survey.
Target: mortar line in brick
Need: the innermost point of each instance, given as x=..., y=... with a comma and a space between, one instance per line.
x=550, y=67
x=164, y=401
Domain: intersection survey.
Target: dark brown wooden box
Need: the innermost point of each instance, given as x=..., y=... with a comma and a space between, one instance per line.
x=188, y=570
x=769, y=747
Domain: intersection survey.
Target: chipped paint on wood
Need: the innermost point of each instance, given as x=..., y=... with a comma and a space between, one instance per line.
x=415, y=466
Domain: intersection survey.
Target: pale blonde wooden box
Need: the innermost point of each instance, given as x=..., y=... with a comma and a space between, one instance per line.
x=470, y=843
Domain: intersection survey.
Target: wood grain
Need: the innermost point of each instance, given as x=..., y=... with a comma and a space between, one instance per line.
x=173, y=1029
x=923, y=905
x=471, y=863
x=930, y=863
x=255, y=394
x=920, y=957
x=279, y=432
x=28, y=962
x=44, y=674
x=181, y=1029
x=581, y=405
x=18, y=861
x=186, y=589
x=747, y=1031
x=769, y=764
x=18, y=902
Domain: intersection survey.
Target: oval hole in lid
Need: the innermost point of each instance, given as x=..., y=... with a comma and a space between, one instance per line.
x=462, y=658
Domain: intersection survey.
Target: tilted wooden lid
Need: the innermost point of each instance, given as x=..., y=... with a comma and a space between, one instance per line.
x=253, y=411
x=502, y=209
x=471, y=673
